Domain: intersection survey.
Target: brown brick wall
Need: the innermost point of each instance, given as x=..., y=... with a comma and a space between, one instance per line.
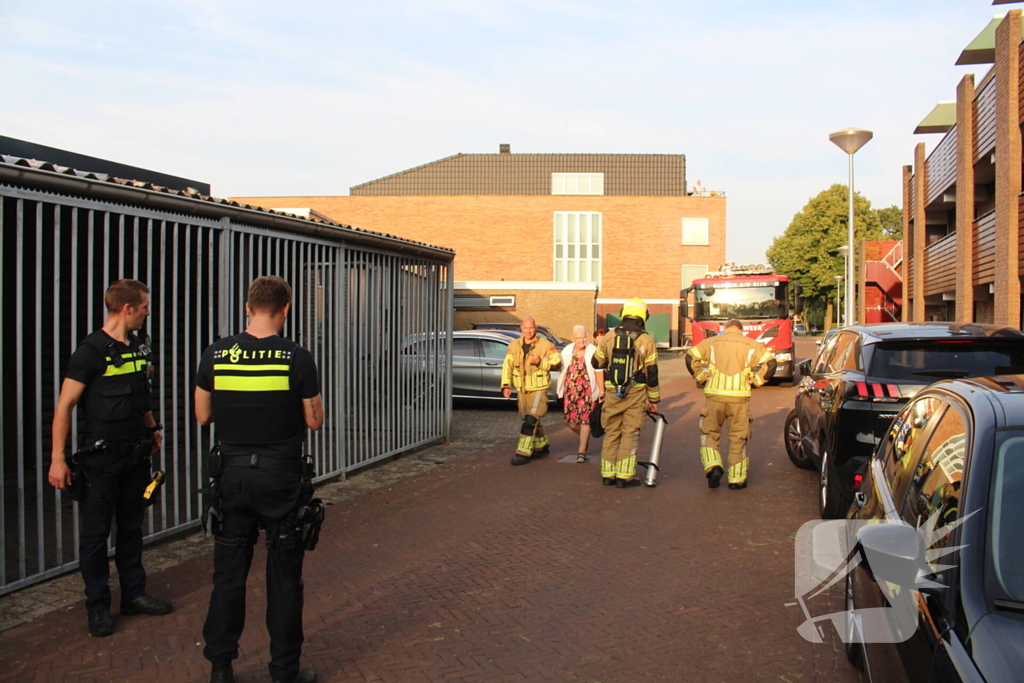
x=558, y=310
x=918, y=228
x=510, y=237
x=1008, y=169
x=965, y=200
x=908, y=241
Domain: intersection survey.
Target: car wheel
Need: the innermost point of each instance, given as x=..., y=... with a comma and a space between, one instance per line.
x=831, y=503
x=854, y=648
x=794, y=447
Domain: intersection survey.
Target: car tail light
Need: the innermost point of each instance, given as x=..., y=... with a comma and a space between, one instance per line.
x=875, y=391
x=858, y=479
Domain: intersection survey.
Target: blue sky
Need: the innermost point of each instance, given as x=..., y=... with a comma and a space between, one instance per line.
x=271, y=98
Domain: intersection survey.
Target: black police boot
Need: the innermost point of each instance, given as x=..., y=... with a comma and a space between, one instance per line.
x=627, y=483
x=100, y=623
x=519, y=459
x=145, y=604
x=715, y=477
x=222, y=674
x=304, y=676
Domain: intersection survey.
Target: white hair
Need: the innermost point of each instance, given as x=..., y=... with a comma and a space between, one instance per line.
x=579, y=328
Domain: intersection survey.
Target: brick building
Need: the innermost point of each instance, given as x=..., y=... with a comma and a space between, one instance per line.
x=962, y=223
x=563, y=237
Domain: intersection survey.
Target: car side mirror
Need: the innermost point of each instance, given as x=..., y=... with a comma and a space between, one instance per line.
x=895, y=553
x=805, y=366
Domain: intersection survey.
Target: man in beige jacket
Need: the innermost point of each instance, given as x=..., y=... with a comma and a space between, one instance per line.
x=527, y=369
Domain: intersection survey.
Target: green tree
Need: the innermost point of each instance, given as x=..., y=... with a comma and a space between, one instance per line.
x=808, y=251
x=891, y=219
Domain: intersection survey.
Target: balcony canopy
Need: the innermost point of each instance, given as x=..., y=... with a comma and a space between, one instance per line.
x=982, y=50
x=940, y=120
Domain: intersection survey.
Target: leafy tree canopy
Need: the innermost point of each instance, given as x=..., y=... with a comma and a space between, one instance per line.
x=808, y=251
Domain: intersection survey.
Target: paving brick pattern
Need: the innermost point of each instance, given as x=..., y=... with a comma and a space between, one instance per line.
x=468, y=569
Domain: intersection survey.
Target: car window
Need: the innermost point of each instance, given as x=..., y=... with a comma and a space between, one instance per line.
x=844, y=345
x=464, y=347
x=907, y=438
x=820, y=362
x=1006, y=523
x=934, y=488
x=936, y=359
x=494, y=349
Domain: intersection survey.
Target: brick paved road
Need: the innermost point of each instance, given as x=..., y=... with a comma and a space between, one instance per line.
x=472, y=570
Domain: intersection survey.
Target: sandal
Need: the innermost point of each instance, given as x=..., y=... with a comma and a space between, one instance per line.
x=581, y=458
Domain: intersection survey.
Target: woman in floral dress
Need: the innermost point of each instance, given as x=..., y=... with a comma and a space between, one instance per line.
x=580, y=386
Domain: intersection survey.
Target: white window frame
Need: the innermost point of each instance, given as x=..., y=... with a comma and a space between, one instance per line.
x=699, y=224
x=576, y=242
x=577, y=183
x=682, y=273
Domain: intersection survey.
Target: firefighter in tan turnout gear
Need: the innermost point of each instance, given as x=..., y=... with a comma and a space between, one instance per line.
x=728, y=365
x=629, y=358
x=527, y=369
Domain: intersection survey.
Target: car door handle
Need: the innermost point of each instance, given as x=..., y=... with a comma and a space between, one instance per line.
x=490, y=362
x=860, y=499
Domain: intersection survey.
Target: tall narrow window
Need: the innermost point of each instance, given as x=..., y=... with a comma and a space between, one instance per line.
x=577, y=245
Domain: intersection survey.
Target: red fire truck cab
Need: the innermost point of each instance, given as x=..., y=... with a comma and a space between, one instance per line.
x=754, y=295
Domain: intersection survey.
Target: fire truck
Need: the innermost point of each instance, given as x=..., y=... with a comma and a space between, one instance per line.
x=752, y=294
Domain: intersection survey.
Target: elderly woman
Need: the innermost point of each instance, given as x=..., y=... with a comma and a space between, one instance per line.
x=581, y=387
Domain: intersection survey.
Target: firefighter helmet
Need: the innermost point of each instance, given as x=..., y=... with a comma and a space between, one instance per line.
x=636, y=308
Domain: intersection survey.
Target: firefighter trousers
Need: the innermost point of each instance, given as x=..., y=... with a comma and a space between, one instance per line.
x=714, y=415
x=533, y=405
x=622, y=419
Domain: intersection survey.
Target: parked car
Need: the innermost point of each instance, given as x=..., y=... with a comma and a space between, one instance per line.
x=849, y=394
x=514, y=327
x=952, y=460
x=800, y=329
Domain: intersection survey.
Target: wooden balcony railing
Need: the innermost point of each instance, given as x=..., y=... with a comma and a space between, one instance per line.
x=940, y=167
x=984, y=248
x=985, y=119
x=940, y=266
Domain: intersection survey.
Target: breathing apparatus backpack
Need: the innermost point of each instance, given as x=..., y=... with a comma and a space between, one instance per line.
x=621, y=368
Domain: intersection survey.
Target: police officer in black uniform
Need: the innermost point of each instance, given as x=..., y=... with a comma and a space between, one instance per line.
x=263, y=392
x=107, y=374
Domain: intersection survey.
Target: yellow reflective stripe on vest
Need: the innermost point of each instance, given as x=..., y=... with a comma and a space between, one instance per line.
x=250, y=368
x=233, y=383
x=126, y=369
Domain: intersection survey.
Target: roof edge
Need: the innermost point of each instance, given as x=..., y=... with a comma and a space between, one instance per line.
x=127, y=191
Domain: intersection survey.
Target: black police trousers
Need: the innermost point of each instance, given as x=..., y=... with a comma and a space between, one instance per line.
x=254, y=499
x=116, y=481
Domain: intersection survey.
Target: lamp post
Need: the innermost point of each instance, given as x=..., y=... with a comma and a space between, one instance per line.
x=839, y=283
x=850, y=140
x=845, y=251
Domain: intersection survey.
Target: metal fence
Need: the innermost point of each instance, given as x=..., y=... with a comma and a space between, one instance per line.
x=359, y=298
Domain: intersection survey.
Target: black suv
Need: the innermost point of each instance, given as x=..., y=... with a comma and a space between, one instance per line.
x=850, y=393
x=938, y=593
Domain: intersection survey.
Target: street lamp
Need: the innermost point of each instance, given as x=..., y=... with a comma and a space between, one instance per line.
x=845, y=251
x=850, y=140
x=839, y=282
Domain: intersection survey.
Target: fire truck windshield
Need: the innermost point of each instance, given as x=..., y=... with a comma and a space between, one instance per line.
x=744, y=303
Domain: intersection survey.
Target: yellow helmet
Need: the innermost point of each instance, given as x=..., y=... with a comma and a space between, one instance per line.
x=636, y=308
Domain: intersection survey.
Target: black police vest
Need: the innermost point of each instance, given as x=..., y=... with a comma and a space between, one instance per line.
x=115, y=402
x=253, y=399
